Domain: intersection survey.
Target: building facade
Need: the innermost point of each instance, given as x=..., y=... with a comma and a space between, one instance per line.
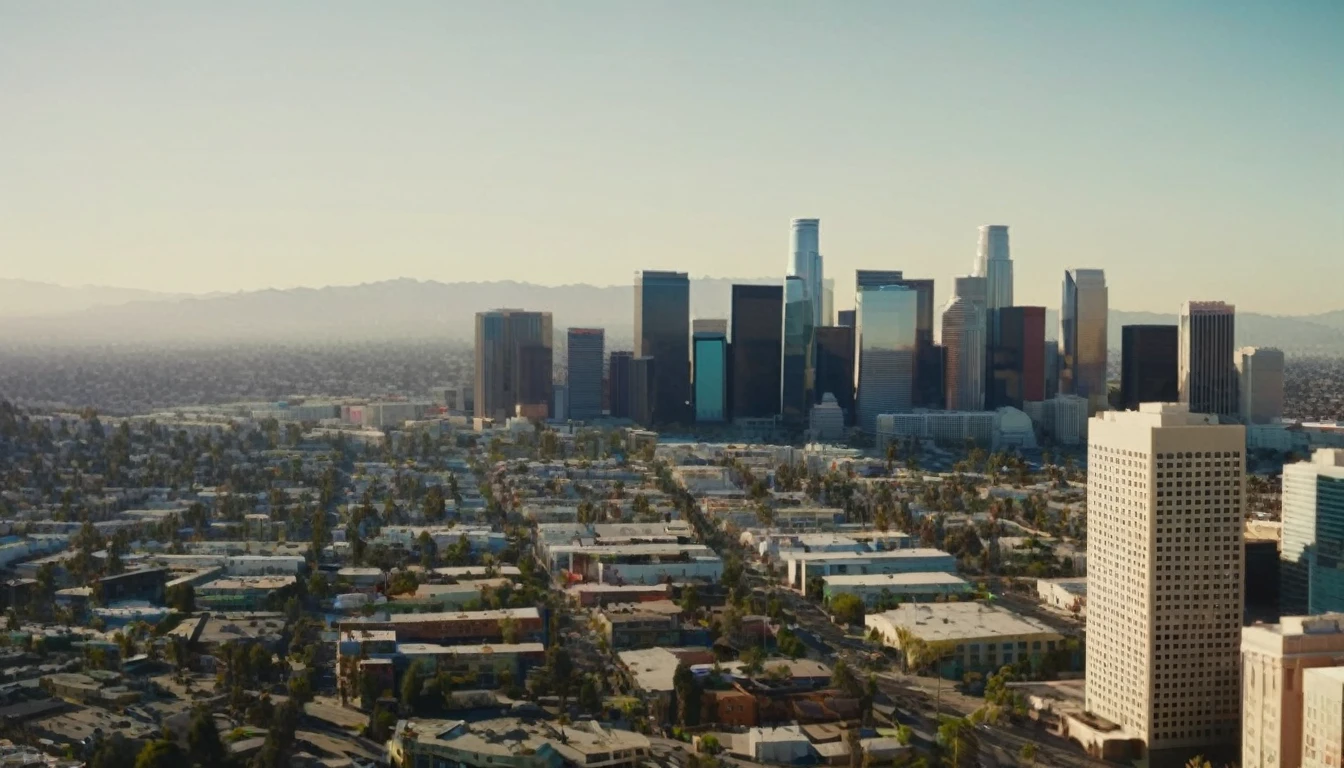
x=1207, y=372
x=887, y=344
x=835, y=368
x=583, y=372
x=964, y=340
x=806, y=264
x=643, y=391
x=618, y=384
x=756, y=350
x=1082, y=336
x=710, y=350
x=1312, y=580
x=1165, y=575
x=1260, y=370
x=797, y=362
x=1275, y=660
x=994, y=263
x=1148, y=365
x=663, y=332
x=1016, y=357
x=513, y=363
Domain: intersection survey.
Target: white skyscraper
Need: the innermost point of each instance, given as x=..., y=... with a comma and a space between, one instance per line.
x=995, y=265
x=805, y=262
x=1165, y=570
x=1261, y=370
x=964, y=342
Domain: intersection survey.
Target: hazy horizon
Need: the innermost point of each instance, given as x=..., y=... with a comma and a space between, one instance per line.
x=1189, y=150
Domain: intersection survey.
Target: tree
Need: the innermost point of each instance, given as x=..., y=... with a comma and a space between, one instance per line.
x=855, y=745
x=590, y=699
x=960, y=744
x=847, y=608
x=1028, y=753
x=413, y=683
x=688, y=696
x=560, y=667
x=204, y=746
x=181, y=597
x=160, y=753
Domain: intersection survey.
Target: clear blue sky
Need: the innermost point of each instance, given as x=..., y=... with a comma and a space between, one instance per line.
x=1192, y=150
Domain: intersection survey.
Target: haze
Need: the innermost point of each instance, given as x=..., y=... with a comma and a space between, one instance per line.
x=1192, y=150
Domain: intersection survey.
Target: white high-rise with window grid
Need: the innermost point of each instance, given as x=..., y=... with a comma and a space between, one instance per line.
x=1164, y=552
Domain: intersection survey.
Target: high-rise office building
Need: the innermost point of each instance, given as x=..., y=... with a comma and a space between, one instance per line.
x=845, y=318
x=1276, y=660
x=756, y=351
x=1016, y=352
x=1082, y=336
x=1207, y=372
x=835, y=367
x=643, y=390
x=1051, y=368
x=513, y=364
x=887, y=343
x=797, y=367
x=1164, y=576
x=584, y=356
x=1312, y=580
x=710, y=351
x=928, y=362
x=964, y=340
x=876, y=278
x=710, y=325
x=560, y=402
x=805, y=263
x=827, y=302
x=618, y=384
x=1261, y=384
x=663, y=332
x=994, y=263
x=1148, y=356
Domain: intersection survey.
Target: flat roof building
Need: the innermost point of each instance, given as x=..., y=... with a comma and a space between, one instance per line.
x=983, y=636
x=1274, y=662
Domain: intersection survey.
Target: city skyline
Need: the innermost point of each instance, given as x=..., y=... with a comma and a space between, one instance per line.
x=354, y=145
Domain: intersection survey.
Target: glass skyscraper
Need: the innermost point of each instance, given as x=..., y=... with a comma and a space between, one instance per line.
x=799, y=344
x=1206, y=367
x=1148, y=365
x=513, y=364
x=757, y=327
x=710, y=349
x=886, y=337
x=835, y=367
x=1017, y=357
x=583, y=371
x=1312, y=565
x=618, y=384
x=663, y=332
x=1082, y=337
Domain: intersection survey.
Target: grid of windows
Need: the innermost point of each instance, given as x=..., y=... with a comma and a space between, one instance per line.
x=1165, y=580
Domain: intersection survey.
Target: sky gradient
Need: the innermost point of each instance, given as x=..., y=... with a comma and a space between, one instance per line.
x=1192, y=150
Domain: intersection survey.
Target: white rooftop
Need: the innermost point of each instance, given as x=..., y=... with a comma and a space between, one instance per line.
x=895, y=579
x=960, y=621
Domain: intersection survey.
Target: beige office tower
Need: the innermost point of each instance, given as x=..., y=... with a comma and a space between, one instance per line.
x=1164, y=560
x=1274, y=662
x=1323, y=726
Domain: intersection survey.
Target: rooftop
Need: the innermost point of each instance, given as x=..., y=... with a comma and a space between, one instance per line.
x=895, y=580
x=652, y=668
x=241, y=583
x=889, y=554
x=956, y=621
x=434, y=649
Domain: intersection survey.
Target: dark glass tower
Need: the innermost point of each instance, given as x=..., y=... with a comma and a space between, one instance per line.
x=797, y=367
x=1017, y=357
x=663, y=332
x=757, y=326
x=835, y=367
x=618, y=384
x=845, y=317
x=643, y=390
x=1148, y=365
x=583, y=371
x=513, y=363
x=710, y=349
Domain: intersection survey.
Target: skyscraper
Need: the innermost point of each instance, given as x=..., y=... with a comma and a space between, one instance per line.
x=887, y=343
x=835, y=367
x=1261, y=385
x=1207, y=372
x=805, y=263
x=618, y=384
x=663, y=332
x=1016, y=357
x=710, y=351
x=1148, y=365
x=584, y=372
x=797, y=367
x=513, y=364
x=710, y=325
x=1082, y=336
x=827, y=302
x=757, y=328
x=994, y=263
x=1275, y=660
x=964, y=340
x=643, y=390
x=876, y=278
x=1164, y=576
x=845, y=317
x=1313, y=534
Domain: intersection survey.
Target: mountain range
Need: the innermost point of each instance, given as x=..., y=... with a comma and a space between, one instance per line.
x=42, y=313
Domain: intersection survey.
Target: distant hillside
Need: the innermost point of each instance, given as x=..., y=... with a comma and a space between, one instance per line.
x=415, y=309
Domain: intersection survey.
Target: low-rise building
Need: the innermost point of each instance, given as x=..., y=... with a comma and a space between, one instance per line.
x=1064, y=594
x=244, y=593
x=481, y=666
x=978, y=636
x=804, y=566
x=590, y=594
x=640, y=625
x=459, y=628
x=888, y=588
x=512, y=743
